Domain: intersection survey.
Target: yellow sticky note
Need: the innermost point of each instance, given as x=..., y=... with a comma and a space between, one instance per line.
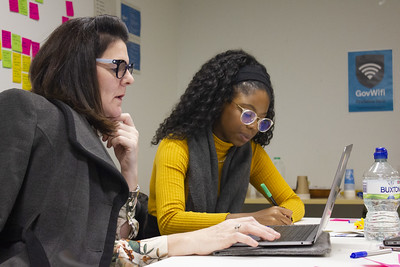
x=6, y=59
x=26, y=63
x=26, y=83
x=16, y=67
x=23, y=7
x=0, y=49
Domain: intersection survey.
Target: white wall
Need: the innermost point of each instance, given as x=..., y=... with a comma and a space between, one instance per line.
x=150, y=98
x=50, y=13
x=304, y=45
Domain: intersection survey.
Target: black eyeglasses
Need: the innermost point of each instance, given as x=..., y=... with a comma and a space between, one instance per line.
x=121, y=68
x=248, y=117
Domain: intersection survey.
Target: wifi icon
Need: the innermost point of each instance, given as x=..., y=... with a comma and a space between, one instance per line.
x=370, y=69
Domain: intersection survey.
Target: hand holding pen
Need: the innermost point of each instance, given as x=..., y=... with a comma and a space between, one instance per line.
x=270, y=197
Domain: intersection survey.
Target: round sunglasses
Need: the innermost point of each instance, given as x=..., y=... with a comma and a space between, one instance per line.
x=249, y=117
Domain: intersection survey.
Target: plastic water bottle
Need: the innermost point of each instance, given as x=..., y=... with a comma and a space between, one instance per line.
x=279, y=165
x=349, y=188
x=381, y=192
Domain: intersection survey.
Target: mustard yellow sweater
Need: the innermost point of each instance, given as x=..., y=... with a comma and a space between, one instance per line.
x=168, y=186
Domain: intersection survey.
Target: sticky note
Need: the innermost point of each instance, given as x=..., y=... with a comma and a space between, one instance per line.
x=35, y=48
x=70, y=8
x=13, y=5
x=26, y=46
x=39, y=1
x=6, y=39
x=0, y=49
x=16, y=67
x=26, y=83
x=6, y=59
x=23, y=7
x=26, y=63
x=16, y=42
x=64, y=19
x=33, y=11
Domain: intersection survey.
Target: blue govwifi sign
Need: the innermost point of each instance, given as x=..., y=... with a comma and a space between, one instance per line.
x=370, y=81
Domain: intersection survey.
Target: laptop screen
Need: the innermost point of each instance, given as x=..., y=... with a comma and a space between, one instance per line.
x=335, y=189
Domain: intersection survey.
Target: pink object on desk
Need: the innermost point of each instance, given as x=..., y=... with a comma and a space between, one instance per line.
x=385, y=264
x=343, y=220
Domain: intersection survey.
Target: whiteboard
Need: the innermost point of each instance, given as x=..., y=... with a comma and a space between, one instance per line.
x=50, y=16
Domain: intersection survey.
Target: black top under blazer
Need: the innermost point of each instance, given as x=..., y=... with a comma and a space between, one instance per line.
x=57, y=184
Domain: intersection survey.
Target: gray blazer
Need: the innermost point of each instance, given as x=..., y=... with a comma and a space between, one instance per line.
x=57, y=181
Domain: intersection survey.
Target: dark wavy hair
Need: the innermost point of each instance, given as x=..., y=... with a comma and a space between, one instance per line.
x=210, y=89
x=65, y=66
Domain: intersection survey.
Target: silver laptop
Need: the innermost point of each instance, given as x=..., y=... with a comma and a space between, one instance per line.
x=307, y=234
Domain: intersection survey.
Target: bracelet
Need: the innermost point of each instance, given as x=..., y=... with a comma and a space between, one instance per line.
x=134, y=194
x=131, y=205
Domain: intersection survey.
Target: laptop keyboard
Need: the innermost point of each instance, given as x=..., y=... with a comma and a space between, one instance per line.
x=294, y=232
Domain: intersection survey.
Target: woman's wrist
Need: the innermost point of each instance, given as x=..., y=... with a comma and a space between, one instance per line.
x=182, y=244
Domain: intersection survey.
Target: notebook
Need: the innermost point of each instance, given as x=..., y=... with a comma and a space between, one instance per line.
x=307, y=234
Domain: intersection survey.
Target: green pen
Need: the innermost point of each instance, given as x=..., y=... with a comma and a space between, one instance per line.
x=269, y=195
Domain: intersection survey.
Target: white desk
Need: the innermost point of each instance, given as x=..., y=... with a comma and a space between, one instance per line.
x=342, y=247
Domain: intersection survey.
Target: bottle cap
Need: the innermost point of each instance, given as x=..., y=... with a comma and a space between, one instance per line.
x=380, y=153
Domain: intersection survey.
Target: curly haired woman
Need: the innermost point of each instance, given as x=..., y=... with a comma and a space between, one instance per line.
x=211, y=147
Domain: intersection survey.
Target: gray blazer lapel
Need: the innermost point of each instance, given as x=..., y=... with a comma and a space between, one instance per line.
x=88, y=139
x=82, y=136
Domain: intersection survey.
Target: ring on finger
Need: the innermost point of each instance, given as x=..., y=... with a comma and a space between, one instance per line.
x=237, y=226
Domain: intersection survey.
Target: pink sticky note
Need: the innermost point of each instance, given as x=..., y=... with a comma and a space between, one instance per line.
x=26, y=46
x=13, y=5
x=35, y=48
x=64, y=19
x=6, y=39
x=70, y=8
x=33, y=11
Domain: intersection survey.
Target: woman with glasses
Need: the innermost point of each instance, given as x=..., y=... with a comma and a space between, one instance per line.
x=211, y=147
x=61, y=195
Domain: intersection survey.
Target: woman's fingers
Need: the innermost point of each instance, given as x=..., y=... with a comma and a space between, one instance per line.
x=251, y=226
